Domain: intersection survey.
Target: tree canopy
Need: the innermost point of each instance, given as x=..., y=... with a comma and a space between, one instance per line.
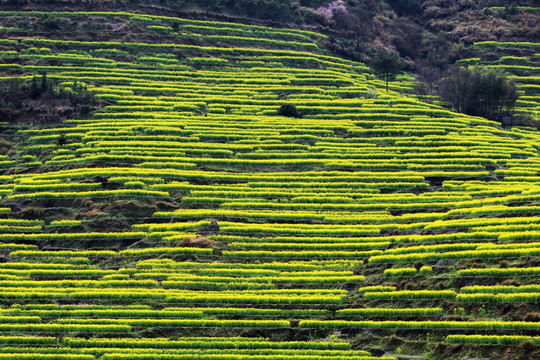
x=387, y=65
x=479, y=91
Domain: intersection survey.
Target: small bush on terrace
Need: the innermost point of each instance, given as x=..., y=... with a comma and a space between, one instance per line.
x=288, y=110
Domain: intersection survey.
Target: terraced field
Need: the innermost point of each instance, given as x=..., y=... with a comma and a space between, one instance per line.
x=523, y=70
x=187, y=219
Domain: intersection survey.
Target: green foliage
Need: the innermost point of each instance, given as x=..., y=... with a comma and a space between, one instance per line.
x=479, y=91
x=41, y=86
x=388, y=65
x=288, y=110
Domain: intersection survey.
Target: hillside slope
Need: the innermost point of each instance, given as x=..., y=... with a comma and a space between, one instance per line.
x=430, y=35
x=187, y=218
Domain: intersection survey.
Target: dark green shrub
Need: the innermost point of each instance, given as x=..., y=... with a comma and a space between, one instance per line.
x=288, y=110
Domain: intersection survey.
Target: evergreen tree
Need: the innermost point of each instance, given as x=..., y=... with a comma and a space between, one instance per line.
x=388, y=65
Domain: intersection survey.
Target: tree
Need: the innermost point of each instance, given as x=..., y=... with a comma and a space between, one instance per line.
x=457, y=89
x=288, y=110
x=479, y=91
x=388, y=65
x=45, y=86
x=428, y=79
x=34, y=89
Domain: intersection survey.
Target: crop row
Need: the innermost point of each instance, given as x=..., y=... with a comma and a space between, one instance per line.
x=125, y=294
x=202, y=342
x=77, y=283
x=491, y=339
x=498, y=298
x=241, y=269
x=410, y=295
x=110, y=313
x=65, y=328
x=476, y=325
x=390, y=312
x=301, y=254
x=498, y=272
x=73, y=236
x=184, y=280
x=481, y=254
x=500, y=289
x=91, y=194
x=406, y=272
x=215, y=353
x=234, y=357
